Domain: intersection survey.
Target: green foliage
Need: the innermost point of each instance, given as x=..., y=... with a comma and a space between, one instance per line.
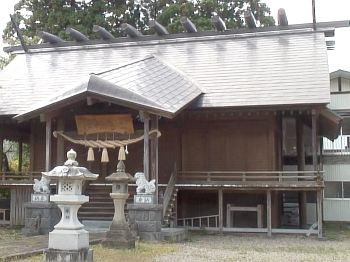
x=11, y=149
x=55, y=16
x=5, y=193
x=4, y=61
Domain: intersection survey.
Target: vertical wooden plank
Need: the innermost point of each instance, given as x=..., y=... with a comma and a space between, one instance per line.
x=300, y=144
x=12, y=207
x=60, y=142
x=32, y=145
x=1, y=152
x=20, y=155
x=154, y=153
x=221, y=213
x=268, y=213
x=48, y=145
x=319, y=213
x=146, y=145
x=314, y=138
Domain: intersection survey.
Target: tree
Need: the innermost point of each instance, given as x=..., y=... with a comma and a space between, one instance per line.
x=55, y=16
x=4, y=61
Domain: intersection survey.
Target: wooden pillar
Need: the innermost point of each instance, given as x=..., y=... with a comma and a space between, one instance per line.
x=60, y=154
x=301, y=167
x=221, y=211
x=319, y=213
x=154, y=153
x=268, y=213
x=1, y=152
x=20, y=155
x=146, y=145
x=31, y=145
x=314, y=138
x=48, y=144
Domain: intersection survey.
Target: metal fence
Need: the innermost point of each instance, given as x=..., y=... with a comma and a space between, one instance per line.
x=340, y=146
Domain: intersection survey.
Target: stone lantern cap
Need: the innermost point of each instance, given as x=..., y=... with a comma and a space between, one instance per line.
x=120, y=175
x=70, y=170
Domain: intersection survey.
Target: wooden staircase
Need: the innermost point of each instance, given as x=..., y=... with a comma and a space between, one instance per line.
x=169, y=202
x=100, y=205
x=170, y=211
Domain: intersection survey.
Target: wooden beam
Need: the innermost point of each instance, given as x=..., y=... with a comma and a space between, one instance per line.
x=48, y=145
x=60, y=156
x=319, y=213
x=154, y=153
x=221, y=213
x=20, y=155
x=268, y=213
x=146, y=145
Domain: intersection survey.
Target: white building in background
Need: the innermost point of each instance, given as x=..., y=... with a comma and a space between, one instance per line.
x=336, y=205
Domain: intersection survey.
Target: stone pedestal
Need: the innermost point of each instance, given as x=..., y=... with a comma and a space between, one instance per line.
x=148, y=218
x=40, y=218
x=53, y=255
x=119, y=237
x=119, y=234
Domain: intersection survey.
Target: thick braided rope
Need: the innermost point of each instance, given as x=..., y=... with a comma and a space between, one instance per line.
x=104, y=143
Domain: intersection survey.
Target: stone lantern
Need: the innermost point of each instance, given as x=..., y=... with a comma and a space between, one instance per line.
x=69, y=241
x=119, y=234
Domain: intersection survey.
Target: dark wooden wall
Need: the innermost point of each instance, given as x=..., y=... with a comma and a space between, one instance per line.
x=235, y=145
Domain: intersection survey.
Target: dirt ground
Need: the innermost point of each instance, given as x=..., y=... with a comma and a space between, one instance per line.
x=235, y=247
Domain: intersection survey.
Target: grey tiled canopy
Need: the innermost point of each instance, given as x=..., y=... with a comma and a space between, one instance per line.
x=147, y=84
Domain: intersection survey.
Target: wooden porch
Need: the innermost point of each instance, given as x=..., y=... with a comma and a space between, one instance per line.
x=266, y=183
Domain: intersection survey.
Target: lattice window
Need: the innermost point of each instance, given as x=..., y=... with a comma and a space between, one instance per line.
x=66, y=187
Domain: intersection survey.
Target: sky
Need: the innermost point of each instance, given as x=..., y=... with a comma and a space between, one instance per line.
x=298, y=11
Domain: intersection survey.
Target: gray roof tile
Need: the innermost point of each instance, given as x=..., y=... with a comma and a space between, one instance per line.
x=137, y=84
x=268, y=70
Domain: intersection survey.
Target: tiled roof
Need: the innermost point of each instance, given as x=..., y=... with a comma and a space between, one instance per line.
x=143, y=84
x=270, y=69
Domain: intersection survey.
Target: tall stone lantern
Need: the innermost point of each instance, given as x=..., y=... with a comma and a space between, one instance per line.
x=69, y=241
x=119, y=234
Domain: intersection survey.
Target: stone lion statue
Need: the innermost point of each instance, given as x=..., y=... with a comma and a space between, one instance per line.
x=143, y=186
x=42, y=185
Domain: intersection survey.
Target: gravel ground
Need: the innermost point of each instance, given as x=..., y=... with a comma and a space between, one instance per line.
x=259, y=248
x=207, y=247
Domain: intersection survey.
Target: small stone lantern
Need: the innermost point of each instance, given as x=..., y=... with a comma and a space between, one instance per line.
x=119, y=234
x=69, y=241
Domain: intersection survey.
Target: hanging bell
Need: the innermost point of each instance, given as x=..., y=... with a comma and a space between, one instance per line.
x=90, y=155
x=126, y=150
x=121, y=155
x=104, y=157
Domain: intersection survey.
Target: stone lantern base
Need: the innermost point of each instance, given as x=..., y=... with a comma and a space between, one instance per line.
x=69, y=239
x=82, y=255
x=119, y=237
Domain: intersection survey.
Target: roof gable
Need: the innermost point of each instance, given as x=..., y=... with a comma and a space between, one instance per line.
x=146, y=84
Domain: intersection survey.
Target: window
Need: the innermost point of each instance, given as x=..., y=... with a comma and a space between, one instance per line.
x=346, y=189
x=333, y=189
x=337, y=189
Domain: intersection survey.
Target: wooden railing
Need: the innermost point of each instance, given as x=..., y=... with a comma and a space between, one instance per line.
x=19, y=176
x=249, y=176
x=169, y=190
x=198, y=222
